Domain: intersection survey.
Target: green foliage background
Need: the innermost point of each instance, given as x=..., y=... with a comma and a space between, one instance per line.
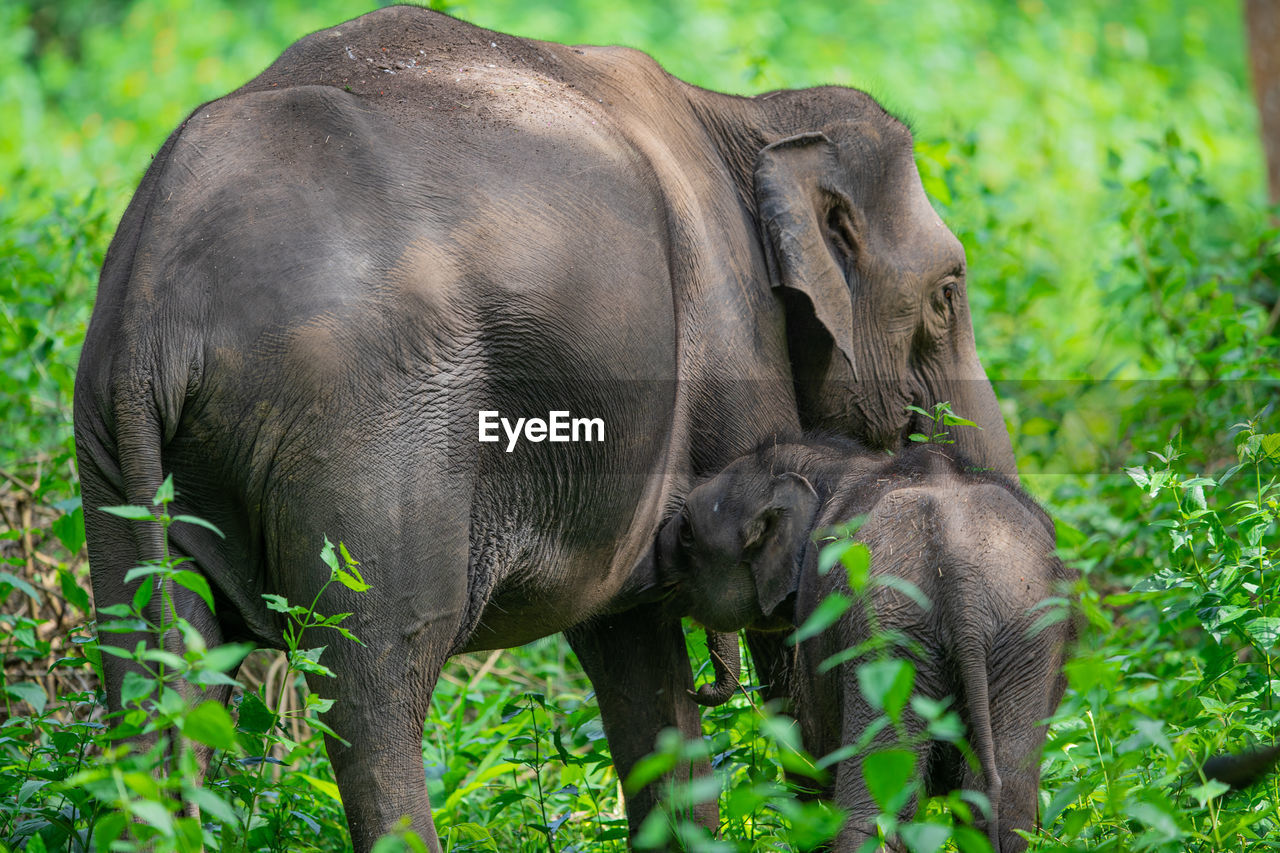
x=1100, y=162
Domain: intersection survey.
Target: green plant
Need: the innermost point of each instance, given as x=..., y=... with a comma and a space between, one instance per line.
x=169, y=722
x=1197, y=672
x=263, y=727
x=939, y=415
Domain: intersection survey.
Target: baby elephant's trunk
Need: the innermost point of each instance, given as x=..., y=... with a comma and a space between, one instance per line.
x=726, y=661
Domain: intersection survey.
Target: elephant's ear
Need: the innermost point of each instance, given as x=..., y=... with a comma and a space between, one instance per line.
x=793, y=210
x=776, y=537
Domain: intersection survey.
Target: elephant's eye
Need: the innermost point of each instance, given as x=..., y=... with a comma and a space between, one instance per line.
x=686, y=532
x=949, y=292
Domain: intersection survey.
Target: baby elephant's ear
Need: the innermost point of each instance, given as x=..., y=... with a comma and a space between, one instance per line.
x=775, y=539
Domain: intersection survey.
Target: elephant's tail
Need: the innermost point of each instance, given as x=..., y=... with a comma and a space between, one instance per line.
x=134, y=376
x=1240, y=770
x=973, y=672
x=139, y=437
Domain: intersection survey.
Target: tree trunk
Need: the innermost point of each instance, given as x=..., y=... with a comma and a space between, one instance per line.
x=1262, y=22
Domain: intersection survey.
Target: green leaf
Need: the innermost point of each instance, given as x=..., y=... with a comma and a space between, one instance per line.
x=648, y=769
x=329, y=789
x=1199, y=481
x=888, y=775
x=21, y=585
x=322, y=727
x=823, y=617
x=1057, y=612
x=278, y=603
x=924, y=837
x=210, y=724
x=142, y=595
x=223, y=658
x=1265, y=630
x=308, y=660
x=109, y=828
x=32, y=694
x=1139, y=476
x=164, y=494
x=153, y=813
x=69, y=528
x=857, y=564
x=350, y=636
x=142, y=572
x=254, y=716
x=133, y=513
x=350, y=581
x=163, y=657
x=347, y=559
x=210, y=803
x=328, y=555
x=196, y=583
x=1210, y=790
x=191, y=519
x=831, y=554
x=955, y=420
x=210, y=678
x=1152, y=731
x=321, y=705
x=75, y=594
x=886, y=684
x=29, y=788
x=135, y=687
x=1159, y=816
x=907, y=588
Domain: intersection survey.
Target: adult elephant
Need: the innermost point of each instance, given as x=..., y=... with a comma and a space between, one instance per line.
x=327, y=275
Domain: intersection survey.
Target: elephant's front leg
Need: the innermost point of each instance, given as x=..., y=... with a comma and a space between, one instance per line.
x=639, y=668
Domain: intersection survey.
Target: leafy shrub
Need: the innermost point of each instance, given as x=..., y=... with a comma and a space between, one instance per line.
x=1192, y=649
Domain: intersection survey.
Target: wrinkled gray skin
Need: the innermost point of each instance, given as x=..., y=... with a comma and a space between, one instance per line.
x=326, y=274
x=739, y=555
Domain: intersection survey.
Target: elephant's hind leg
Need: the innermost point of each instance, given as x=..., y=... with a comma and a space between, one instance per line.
x=408, y=623
x=639, y=668
x=381, y=713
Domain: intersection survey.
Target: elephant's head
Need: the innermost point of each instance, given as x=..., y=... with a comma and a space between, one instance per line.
x=874, y=287
x=735, y=552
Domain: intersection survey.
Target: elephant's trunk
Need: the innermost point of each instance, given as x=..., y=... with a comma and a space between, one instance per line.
x=972, y=397
x=726, y=661
x=990, y=447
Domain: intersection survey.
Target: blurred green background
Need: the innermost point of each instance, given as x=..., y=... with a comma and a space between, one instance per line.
x=1035, y=121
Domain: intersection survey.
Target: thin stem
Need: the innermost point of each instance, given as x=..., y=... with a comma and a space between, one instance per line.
x=293, y=639
x=1262, y=579
x=537, y=774
x=1097, y=745
x=524, y=806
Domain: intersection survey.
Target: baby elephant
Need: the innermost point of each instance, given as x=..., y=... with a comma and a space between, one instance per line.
x=741, y=554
